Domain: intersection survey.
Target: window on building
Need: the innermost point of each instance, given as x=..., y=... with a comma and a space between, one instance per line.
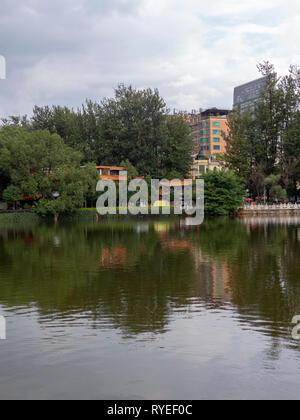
x=114, y=172
x=204, y=140
x=216, y=131
x=202, y=169
x=217, y=140
x=204, y=124
x=217, y=148
x=216, y=124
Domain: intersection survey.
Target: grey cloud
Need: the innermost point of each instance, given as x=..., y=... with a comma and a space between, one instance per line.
x=62, y=51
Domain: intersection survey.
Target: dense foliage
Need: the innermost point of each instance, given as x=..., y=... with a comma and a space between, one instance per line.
x=223, y=193
x=266, y=141
x=38, y=165
x=42, y=155
x=133, y=126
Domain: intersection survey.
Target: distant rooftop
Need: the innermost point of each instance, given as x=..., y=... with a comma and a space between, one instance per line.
x=247, y=94
x=215, y=112
x=260, y=81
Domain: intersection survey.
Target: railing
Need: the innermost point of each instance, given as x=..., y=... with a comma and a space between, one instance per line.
x=274, y=207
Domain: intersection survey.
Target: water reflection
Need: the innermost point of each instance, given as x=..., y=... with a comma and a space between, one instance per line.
x=136, y=275
x=219, y=296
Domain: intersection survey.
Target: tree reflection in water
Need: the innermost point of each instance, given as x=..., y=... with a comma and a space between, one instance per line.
x=136, y=275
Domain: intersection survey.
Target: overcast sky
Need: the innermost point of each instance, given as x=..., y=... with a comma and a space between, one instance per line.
x=193, y=51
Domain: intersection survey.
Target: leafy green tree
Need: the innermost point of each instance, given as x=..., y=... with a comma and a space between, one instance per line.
x=177, y=148
x=239, y=155
x=224, y=193
x=276, y=192
x=90, y=178
x=267, y=120
x=265, y=141
x=79, y=129
x=64, y=190
x=16, y=121
x=37, y=164
x=131, y=128
x=13, y=194
x=131, y=170
x=134, y=126
x=289, y=147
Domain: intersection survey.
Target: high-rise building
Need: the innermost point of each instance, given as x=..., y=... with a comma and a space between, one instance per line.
x=246, y=95
x=208, y=129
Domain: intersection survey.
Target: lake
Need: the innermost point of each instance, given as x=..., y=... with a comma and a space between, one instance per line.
x=150, y=309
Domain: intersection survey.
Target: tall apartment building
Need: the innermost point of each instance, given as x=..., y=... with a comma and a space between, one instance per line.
x=208, y=129
x=246, y=95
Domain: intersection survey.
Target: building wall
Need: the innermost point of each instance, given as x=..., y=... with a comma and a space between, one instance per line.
x=246, y=95
x=208, y=134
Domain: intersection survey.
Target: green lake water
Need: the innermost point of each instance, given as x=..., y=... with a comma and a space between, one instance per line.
x=150, y=309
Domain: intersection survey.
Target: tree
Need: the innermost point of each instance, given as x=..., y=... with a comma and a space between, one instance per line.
x=64, y=190
x=224, y=193
x=239, y=155
x=79, y=129
x=37, y=164
x=289, y=148
x=134, y=125
x=177, y=149
x=131, y=170
x=131, y=128
x=13, y=194
x=16, y=121
x=276, y=192
x=267, y=120
x=265, y=141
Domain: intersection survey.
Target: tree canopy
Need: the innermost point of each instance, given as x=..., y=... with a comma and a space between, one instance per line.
x=266, y=141
x=224, y=193
x=134, y=125
x=37, y=165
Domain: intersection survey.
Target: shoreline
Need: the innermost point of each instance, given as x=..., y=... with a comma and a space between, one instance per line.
x=25, y=217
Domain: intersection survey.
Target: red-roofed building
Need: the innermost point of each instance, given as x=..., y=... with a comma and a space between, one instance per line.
x=110, y=172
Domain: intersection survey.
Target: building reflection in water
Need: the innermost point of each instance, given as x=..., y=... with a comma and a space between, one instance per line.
x=213, y=277
x=126, y=272
x=113, y=257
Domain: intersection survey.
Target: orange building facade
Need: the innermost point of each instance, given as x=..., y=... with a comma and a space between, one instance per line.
x=112, y=173
x=208, y=130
